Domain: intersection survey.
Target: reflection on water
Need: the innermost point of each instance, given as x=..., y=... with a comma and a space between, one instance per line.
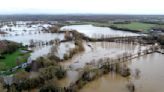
x=44, y=50
x=151, y=78
x=40, y=51
x=71, y=77
x=95, y=51
x=98, y=32
x=25, y=39
x=107, y=83
x=98, y=50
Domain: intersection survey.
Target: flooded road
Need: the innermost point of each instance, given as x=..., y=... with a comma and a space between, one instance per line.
x=151, y=78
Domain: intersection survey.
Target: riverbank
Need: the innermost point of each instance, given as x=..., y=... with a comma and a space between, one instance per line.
x=149, y=80
x=91, y=71
x=47, y=69
x=12, y=54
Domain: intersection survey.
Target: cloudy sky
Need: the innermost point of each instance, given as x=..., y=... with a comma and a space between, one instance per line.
x=82, y=6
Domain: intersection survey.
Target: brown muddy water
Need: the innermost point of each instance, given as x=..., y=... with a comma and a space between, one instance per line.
x=98, y=50
x=151, y=78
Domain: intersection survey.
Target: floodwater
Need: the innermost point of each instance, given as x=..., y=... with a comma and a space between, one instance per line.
x=93, y=52
x=98, y=32
x=71, y=77
x=98, y=50
x=62, y=49
x=151, y=78
x=23, y=28
x=25, y=39
x=24, y=33
x=151, y=66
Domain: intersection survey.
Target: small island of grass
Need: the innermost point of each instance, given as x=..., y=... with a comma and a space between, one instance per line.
x=12, y=54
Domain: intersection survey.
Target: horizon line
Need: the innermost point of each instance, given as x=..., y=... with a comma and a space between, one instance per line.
x=76, y=14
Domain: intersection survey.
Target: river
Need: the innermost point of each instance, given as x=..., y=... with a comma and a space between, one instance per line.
x=151, y=78
x=151, y=66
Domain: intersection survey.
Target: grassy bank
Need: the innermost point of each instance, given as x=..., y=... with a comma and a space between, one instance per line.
x=135, y=26
x=131, y=26
x=13, y=59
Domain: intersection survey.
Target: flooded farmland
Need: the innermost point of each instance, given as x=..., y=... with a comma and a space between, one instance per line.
x=23, y=33
x=93, y=56
x=148, y=81
x=99, y=50
x=81, y=46
x=98, y=32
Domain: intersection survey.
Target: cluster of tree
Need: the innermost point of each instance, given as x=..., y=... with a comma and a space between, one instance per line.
x=42, y=65
x=89, y=74
x=153, y=22
x=2, y=89
x=73, y=51
x=45, y=69
x=54, y=29
x=158, y=28
x=1, y=32
x=154, y=37
x=160, y=39
x=122, y=22
x=49, y=87
x=124, y=29
x=68, y=35
x=8, y=46
x=74, y=17
x=78, y=39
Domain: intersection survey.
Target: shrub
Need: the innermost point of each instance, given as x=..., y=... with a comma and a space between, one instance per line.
x=60, y=73
x=54, y=29
x=49, y=87
x=66, y=56
x=2, y=57
x=2, y=66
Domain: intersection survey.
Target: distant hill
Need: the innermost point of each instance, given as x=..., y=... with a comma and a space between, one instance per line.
x=83, y=17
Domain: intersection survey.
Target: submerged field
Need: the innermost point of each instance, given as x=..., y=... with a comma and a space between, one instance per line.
x=150, y=80
x=57, y=61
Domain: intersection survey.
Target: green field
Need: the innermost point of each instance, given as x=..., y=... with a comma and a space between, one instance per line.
x=136, y=26
x=10, y=59
x=139, y=26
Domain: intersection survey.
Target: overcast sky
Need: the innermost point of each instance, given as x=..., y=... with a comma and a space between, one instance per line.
x=82, y=6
